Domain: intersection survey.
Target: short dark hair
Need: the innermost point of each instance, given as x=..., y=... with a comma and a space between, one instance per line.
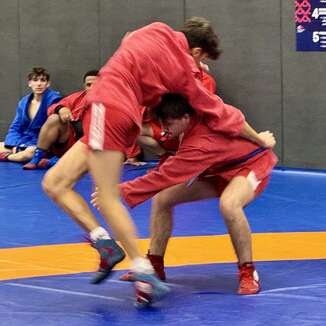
x=37, y=72
x=172, y=106
x=90, y=73
x=199, y=33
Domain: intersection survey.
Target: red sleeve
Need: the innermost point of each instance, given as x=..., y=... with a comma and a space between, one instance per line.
x=68, y=102
x=185, y=165
x=52, y=108
x=221, y=117
x=133, y=151
x=146, y=115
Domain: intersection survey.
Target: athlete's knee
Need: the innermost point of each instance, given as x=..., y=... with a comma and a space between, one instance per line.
x=53, y=120
x=52, y=184
x=229, y=206
x=161, y=201
x=48, y=184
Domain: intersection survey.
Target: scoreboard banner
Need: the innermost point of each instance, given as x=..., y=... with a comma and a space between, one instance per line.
x=310, y=19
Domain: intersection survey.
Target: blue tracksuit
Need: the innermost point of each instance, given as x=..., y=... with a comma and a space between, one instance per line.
x=23, y=131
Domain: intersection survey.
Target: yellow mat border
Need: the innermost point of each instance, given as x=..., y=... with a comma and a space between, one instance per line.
x=80, y=257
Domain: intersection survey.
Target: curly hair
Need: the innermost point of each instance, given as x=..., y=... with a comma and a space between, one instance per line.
x=38, y=71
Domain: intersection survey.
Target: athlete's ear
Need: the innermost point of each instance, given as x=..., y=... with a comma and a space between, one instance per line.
x=187, y=116
x=196, y=52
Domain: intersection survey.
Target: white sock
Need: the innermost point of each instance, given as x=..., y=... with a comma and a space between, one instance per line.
x=98, y=234
x=142, y=265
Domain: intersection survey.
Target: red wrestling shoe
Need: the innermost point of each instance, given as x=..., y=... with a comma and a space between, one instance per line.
x=158, y=265
x=157, y=262
x=30, y=166
x=42, y=165
x=127, y=277
x=248, y=279
x=4, y=156
x=47, y=163
x=37, y=157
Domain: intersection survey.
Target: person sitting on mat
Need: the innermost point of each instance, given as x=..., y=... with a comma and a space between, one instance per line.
x=31, y=113
x=63, y=126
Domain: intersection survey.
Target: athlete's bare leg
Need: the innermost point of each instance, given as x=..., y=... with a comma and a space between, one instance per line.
x=105, y=168
x=162, y=210
x=234, y=198
x=59, y=181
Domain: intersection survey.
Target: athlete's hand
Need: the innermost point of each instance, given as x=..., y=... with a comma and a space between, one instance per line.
x=267, y=139
x=65, y=115
x=134, y=161
x=95, y=199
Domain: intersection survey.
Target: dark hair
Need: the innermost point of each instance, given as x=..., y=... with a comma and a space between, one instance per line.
x=37, y=72
x=199, y=33
x=172, y=106
x=90, y=73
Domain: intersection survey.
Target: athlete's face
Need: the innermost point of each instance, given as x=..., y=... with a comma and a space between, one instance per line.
x=89, y=82
x=38, y=84
x=175, y=127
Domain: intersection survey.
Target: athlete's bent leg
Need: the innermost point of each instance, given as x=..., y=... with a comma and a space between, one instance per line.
x=117, y=217
x=58, y=183
x=234, y=198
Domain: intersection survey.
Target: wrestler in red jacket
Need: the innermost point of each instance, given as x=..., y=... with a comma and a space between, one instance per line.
x=152, y=136
x=207, y=164
x=150, y=62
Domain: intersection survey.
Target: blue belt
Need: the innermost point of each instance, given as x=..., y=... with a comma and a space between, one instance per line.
x=245, y=158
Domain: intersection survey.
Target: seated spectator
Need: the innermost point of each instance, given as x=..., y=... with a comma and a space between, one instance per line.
x=20, y=141
x=63, y=126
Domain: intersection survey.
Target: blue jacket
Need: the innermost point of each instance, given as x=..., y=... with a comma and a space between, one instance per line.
x=24, y=131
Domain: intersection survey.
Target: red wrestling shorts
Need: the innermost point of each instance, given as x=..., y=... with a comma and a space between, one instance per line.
x=109, y=129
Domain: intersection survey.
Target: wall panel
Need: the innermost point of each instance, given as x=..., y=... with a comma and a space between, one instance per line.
x=119, y=17
x=61, y=36
x=9, y=59
x=248, y=73
x=304, y=100
x=260, y=72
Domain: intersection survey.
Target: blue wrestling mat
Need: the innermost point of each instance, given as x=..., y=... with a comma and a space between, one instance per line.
x=202, y=294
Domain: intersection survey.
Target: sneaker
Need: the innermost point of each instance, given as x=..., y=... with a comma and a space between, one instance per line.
x=248, y=279
x=149, y=289
x=157, y=263
x=110, y=255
